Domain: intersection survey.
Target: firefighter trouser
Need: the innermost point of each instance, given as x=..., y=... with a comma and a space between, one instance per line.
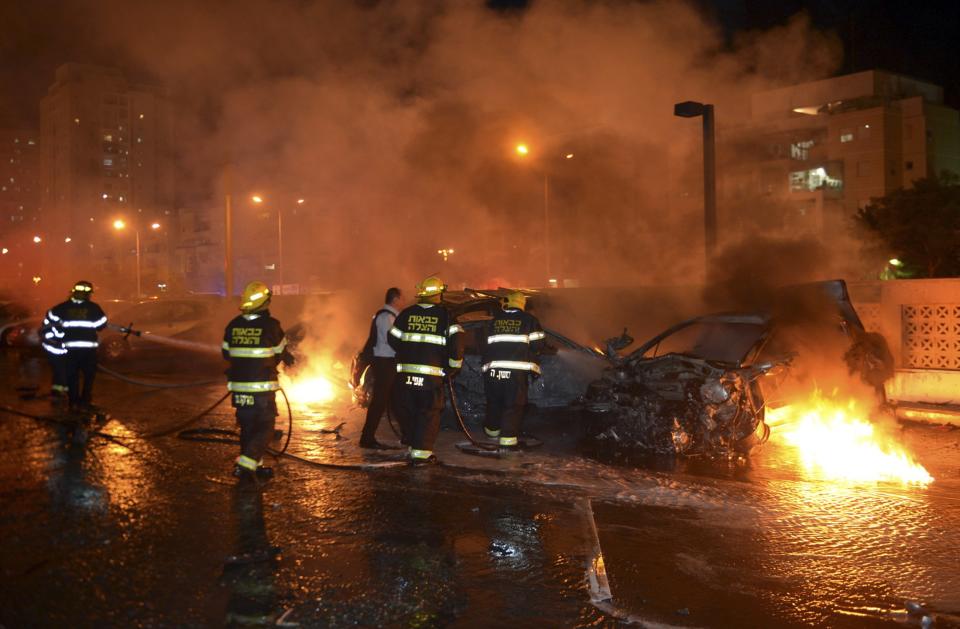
x=58, y=367
x=81, y=361
x=256, y=416
x=384, y=373
x=418, y=407
x=506, y=392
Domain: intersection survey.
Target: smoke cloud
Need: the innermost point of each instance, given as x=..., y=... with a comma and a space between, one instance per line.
x=396, y=121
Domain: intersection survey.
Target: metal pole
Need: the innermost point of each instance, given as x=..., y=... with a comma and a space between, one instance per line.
x=137, y=233
x=709, y=183
x=280, y=246
x=227, y=245
x=546, y=222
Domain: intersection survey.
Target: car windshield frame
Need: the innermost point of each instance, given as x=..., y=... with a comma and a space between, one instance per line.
x=738, y=356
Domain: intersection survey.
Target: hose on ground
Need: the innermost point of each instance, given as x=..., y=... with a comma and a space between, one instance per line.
x=157, y=385
x=195, y=418
x=463, y=424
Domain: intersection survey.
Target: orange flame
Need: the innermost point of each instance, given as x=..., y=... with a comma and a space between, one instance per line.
x=309, y=386
x=839, y=442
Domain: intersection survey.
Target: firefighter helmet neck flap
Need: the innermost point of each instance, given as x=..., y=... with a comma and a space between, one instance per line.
x=515, y=299
x=82, y=290
x=256, y=297
x=430, y=290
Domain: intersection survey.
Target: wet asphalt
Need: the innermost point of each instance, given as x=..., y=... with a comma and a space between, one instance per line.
x=129, y=531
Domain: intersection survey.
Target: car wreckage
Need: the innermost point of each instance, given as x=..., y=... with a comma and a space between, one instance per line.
x=702, y=386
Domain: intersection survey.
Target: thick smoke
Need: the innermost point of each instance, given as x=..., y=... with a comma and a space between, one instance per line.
x=396, y=121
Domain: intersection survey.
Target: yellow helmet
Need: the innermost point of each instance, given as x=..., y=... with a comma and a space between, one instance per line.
x=256, y=296
x=515, y=299
x=431, y=287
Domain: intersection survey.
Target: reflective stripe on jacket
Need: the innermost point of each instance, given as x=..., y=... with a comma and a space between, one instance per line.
x=427, y=341
x=513, y=340
x=75, y=323
x=254, y=344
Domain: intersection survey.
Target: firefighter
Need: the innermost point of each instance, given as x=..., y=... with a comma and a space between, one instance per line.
x=51, y=340
x=255, y=344
x=79, y=319
x=513, y=342
x=429, y=347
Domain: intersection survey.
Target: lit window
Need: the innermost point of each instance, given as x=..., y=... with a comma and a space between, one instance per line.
x=801, y=150
x=76, y=121
x=105, y=196
x=108, y=161
x=31, y=142
x=108, y=137
x=139, y=140
x=141, y=116
x=846, y=137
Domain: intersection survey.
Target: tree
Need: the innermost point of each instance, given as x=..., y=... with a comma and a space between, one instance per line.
x=920, y=225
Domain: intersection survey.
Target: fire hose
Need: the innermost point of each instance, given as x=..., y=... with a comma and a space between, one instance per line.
x=463, y=424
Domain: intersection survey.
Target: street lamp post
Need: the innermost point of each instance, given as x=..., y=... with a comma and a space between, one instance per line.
x=692, y=109
x=257, y=199
x=523, y=150
x=120, y=225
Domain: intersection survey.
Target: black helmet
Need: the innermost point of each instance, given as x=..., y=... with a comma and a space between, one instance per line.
x=82, y=290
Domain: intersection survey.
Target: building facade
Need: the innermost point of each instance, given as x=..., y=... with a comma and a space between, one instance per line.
x=821, y=150
x=107, y=156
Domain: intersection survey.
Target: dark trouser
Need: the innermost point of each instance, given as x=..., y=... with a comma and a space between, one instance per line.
x=506, y=391
x=81, y=361
x=418, y=410
x=384, y=372
x=58, y=367
x=256, y=416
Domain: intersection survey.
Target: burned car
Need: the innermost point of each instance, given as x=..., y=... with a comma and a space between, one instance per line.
x=692, y=389
x=701, y=386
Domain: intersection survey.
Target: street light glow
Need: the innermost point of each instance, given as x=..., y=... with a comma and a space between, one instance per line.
x=300, y=201
x=522, y=149
x=67, y=239
x=37, y=239
x=155, y=226
x=895, y=262
x=569, y=155
x=119, y=224
x=256, y=198
x=4, y=251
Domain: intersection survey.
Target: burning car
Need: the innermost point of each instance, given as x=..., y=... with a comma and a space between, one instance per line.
x=702, y=387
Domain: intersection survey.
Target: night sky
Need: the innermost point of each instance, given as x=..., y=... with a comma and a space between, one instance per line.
x=914, y=38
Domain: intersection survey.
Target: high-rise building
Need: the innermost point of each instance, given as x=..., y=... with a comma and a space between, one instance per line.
x=821, y=150
x=107, y=155
x=19, y=203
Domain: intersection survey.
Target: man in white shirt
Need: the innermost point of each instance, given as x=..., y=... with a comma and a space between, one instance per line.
x=383, y=367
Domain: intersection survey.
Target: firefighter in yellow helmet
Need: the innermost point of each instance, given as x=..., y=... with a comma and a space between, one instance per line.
x=510, y=358
x=429, y=346
x=255, y=345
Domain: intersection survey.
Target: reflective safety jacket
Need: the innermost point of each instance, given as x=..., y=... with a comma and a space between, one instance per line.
x=514, y=340
x=427, y=341
x=51, y=337
x=254, y=344
x=78, y=321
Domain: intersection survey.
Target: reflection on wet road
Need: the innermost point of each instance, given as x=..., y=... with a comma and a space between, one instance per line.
x=140, y=532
